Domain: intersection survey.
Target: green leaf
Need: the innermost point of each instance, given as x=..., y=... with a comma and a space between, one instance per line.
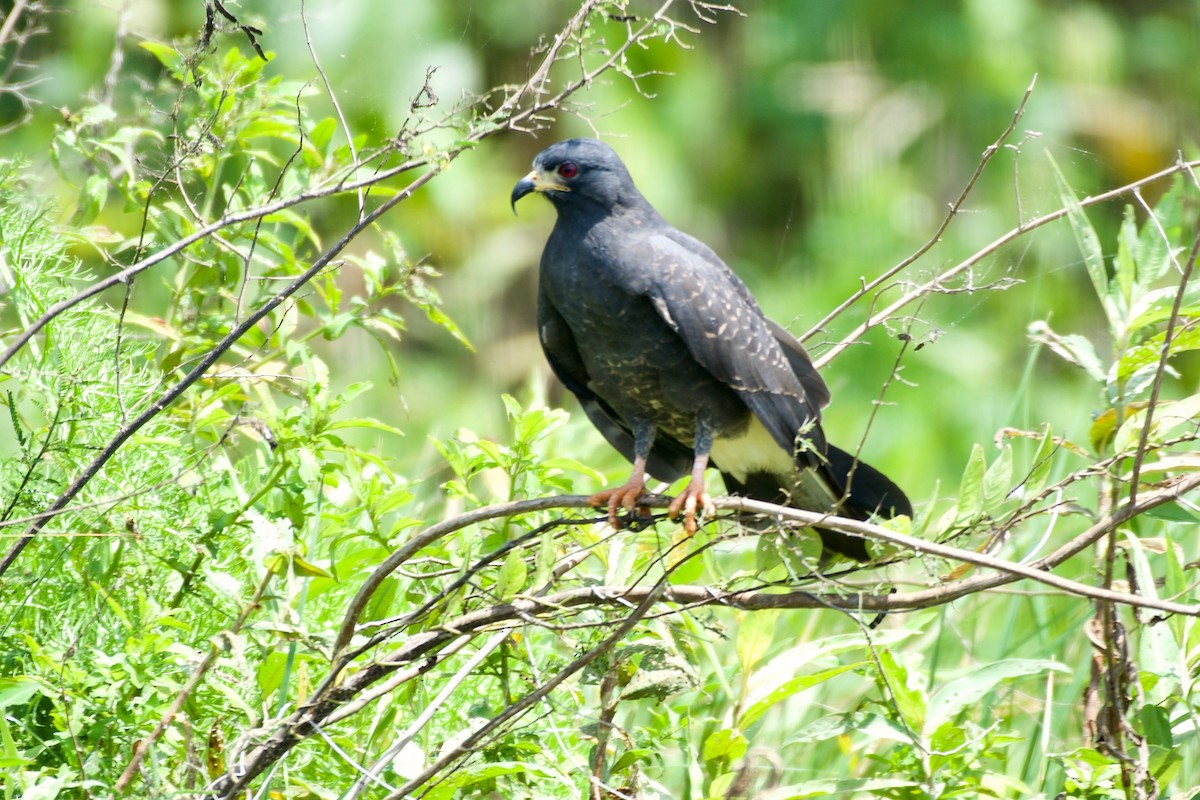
x=1073, y=348
x=765, y=682
x=363, y=422
x=1125, y=265
x=1156, y=241
x=472, y=774
x=1159, y=653
x=728, y=744
x=1104, y=426
x=1167, y=418
x=307, y=569
x=1156, y=725
x=631, y=757
x=875, y=727
x=1150, y=351
x=997, y=481
x=441, y=319
x=970, y=488
x=1089, y=245
x=756, y=631
x=322, y=134
x=167, y=55
x=1039, y=473
x=17, y=691
x=909, y=703
x=762, y=703
x=512, y=576
x=1175, y=582
x=959, y=693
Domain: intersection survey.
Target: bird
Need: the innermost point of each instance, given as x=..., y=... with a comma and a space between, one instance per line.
x=673, y=361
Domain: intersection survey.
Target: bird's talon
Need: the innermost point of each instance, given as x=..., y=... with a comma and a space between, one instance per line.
x=685, y=503
x=613, y=500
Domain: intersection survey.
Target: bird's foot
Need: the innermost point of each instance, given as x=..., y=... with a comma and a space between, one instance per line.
x=686, y=503
x=623, y=496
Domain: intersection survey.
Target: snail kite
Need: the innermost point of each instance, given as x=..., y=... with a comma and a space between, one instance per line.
x=674, y=362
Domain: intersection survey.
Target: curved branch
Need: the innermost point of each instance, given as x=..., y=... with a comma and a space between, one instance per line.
x=424, y=650
x=955, y=207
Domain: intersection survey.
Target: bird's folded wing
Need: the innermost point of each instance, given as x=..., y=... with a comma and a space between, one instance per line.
x=724, y=330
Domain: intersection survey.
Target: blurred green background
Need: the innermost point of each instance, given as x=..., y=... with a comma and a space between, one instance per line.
x=812, y=144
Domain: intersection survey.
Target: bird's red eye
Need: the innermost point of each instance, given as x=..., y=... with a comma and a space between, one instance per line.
x=568, y=169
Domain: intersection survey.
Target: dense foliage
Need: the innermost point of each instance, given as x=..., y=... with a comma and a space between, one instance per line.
x=287, y=513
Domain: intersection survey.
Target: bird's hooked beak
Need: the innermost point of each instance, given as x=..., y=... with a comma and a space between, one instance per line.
x=536, y=181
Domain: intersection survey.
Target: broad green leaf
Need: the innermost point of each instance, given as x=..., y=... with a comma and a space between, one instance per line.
x=363, y=422
x=909, y=703
x=1039, y=472
x=970, y=488
x=631, y=757
x=959, y=693
x=1158, y=650
x=719, y=787
x=761, y=703
x=307, y=569
x=1175, y=585
x=1165, y=762
x=1124, y=264
x=728, y=744
x=756, y=631
x=17, y=691
x=1167, y=417
x=322, y=133
x=1153, y=255
x=167, y=55
x=875, y=727
x=997, y=481
x=512, y=576
x=1089, y=245
x=512, y=406
x=472, y=774
x=271, y=128
x=1104, y=426
x=1150, y=351
x=1073, y=348
x=1157, y=306
x=10, y=756
x=783, y=667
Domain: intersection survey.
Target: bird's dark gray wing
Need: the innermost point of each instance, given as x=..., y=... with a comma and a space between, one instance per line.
x=814, y=385
x=669, y=459
x=724, y=330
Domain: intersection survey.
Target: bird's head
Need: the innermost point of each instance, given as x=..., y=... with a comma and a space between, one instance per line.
x=579, y=174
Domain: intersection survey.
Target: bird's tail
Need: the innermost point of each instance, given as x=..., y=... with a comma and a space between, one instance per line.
x=861, y=490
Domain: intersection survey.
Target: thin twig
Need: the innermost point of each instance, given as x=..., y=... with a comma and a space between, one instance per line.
x=955, y=207
x=172, y=394
x=533, y=698
x=933, y=284
x=10, y=21
x=214, y=650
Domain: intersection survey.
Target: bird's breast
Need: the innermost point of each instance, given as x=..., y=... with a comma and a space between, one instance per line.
x=635, y=360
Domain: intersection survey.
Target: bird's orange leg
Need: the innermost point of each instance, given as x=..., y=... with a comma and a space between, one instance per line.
x=694, y=493
x=623, y=496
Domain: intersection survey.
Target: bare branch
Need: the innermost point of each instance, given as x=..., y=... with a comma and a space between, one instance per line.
x=937, y=281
